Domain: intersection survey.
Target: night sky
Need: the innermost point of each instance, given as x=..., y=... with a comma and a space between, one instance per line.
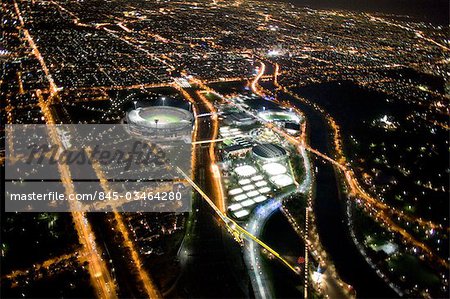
x=435, y=11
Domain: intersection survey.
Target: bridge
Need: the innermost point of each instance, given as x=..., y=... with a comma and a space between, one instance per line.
x=208, y=114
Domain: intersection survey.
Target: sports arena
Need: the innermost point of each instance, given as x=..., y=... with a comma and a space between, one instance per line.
x=279, y=116
x=160, y=121
x=269, y=152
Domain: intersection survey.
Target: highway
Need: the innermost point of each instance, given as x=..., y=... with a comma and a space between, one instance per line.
x=120, y=226
x=100, y=277
x=209, y=258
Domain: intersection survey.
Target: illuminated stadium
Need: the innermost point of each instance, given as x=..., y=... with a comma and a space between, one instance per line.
x=163, y=121
x=279, y=116
x=269, y=152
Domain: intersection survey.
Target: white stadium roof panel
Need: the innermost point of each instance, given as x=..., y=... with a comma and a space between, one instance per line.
x=248, y=203
x=264, y=190
x=257, y=178
x=245, y=170
x=282, y=180
x=252, y=193
x=274, y=168
x=235, y=191
x=260, y=183
x=240, y=197
x=248, y=187
x=244, y=182
x=241, y=213
x=234, y=207
x=260, y=198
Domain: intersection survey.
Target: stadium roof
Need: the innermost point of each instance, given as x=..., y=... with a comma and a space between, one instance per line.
x=269, y=151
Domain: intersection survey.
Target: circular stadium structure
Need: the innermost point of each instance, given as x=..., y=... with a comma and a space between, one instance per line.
x=279, y=116
x=160, y=121
x=269, y=152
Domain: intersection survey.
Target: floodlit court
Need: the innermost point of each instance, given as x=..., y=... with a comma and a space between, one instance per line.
x=270, y=116
x=260, y=198
x=235, y=207
x=257, y=176
x=282, y=180
x=274, y=168
x=241, y=213
x=245, y=170
x=235, y=191
x=240, y=197
x=248, y=187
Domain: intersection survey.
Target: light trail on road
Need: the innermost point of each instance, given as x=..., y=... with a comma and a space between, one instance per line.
x=255, y=81
x=212, y=153
x=144, y=277
x=418, y=33
x=100, y=276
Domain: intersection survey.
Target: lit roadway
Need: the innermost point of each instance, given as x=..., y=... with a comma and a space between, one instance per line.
x=144, y=277
x=418, y=33
x=218, y=196
x=100, y=277
x=352, y=182
x=331, y=284
x=371, y=203
x=97, y=268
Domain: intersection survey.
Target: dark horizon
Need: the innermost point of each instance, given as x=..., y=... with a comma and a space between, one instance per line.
x=433, y=11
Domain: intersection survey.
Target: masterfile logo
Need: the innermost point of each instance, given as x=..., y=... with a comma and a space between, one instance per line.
x=95, y=168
